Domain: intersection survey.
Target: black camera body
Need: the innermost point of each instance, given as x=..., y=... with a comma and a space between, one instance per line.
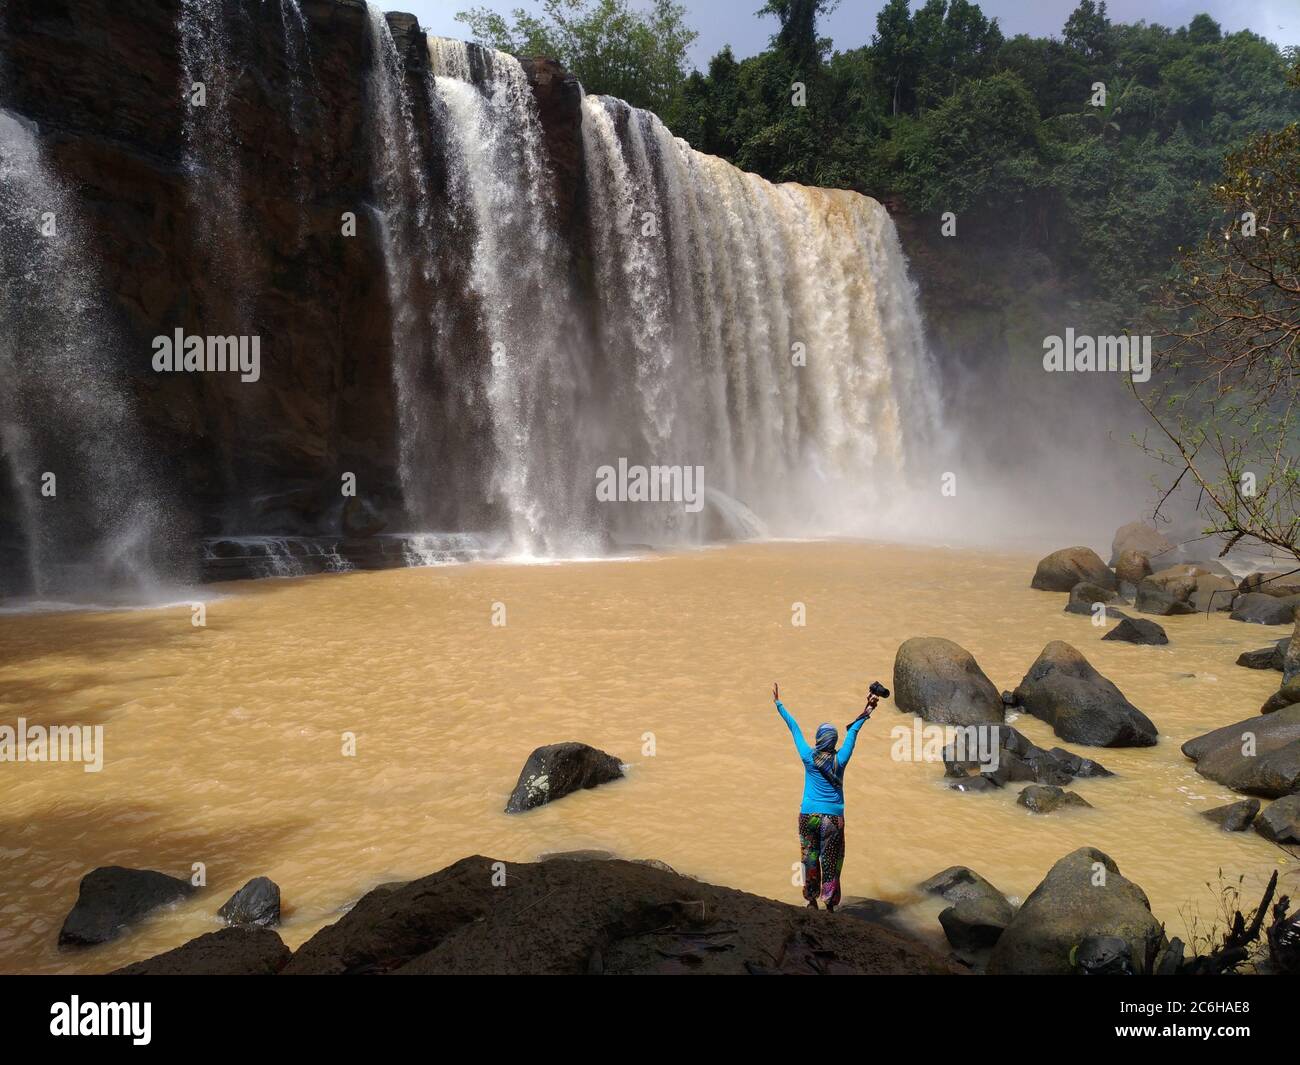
x=879, y=690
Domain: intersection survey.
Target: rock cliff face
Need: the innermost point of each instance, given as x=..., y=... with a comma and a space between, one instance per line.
x=101, y=81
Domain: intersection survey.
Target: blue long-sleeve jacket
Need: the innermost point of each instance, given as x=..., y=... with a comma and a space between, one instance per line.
x=820, y=796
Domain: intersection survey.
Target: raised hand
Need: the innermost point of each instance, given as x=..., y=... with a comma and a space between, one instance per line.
x=776, y=693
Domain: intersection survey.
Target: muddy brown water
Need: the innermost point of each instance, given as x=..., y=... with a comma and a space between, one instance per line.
x=225, y=745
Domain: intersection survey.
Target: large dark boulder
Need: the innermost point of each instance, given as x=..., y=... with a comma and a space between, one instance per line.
x=1083, y=895
x=256, y=904
x=229, y=952
x=1081, y=705
x=1138, y=630
x=1139, y=538
x=1062, y=570
x=577, y=917
x=1271, y=657
x=1257, y=608
x=557, y=770
x=1280, y=822
x=1257, y=756
x=1235, y=817
x=112, y=897
x=941, y=682
x=1291, y=656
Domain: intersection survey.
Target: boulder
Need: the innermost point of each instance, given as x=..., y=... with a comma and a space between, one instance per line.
x=1081, y=705
x=1138, y=630
x=1083, y=895
x=1213, y=593
x=1280, y=822
x=976, y=924
x=1084, y=594
x=1257, y=756
x=1258, y=608
x=983, y=782
x=1270, y=657
x=229, y=952
x=591, y=917
x=1285, y=696
x=1062, y=570
x=1291, y=655
x=1141, y=538
x=1078, y=766
x=1235, y=817
x=941, y=682
x=113, y=897
x=557, y=770
x=1169, y=591
x=1282, y=584
x=958, y=882
x=255, y=905
x=1131, y=567
x=1044, y=798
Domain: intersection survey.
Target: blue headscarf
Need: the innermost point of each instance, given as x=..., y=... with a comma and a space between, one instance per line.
x=824, y=754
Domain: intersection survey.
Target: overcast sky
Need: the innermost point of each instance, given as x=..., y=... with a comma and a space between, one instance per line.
x=733, y=22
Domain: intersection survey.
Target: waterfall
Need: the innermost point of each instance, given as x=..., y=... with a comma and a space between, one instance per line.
x=766, y=332
x=212, y=153
x=499, y=179
x=97, y=528
x=404, y=214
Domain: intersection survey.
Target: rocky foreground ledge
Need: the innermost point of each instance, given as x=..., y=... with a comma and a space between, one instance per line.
x=561, y=916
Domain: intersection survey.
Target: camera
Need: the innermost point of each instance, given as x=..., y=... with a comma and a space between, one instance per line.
x=879, y=690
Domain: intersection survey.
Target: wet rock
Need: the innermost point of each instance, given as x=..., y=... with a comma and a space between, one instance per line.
x=1084, y=594
x=1131, y=567
x=979, y=783
x=229, y=952
x=941, y=682
x=1140, y=538
x=1285, y=696
x=1256, y=756
x=575, y=917
x=361, y=519
x=1044, y=798
x=1083, y=895
x=1280, y=822
x=112, y=898
x=1235, y=817
x=1257, y=608
x=1063, y=689
x=256, y=904
x=1169, y=591
x=1279, y=583
x=1291, y=656
x=976, y=924
x=1062, y=570
x=557, y=770
x=1138, y=630
x=958, y=882
x=1213, y=593
x=1078, y=766
x=1266, y=657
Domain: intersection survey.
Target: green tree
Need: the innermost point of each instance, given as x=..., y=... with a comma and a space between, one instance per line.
x=614, y=49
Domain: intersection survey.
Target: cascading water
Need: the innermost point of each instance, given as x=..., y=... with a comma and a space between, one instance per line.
x=403, y=211
x=211, y=154
x=88, y=512
x=499, y=179
x=766, y=333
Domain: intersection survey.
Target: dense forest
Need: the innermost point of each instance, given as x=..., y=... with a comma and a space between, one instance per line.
x=1095, y=149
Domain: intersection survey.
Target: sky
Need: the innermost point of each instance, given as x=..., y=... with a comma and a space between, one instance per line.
x=721, y=22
